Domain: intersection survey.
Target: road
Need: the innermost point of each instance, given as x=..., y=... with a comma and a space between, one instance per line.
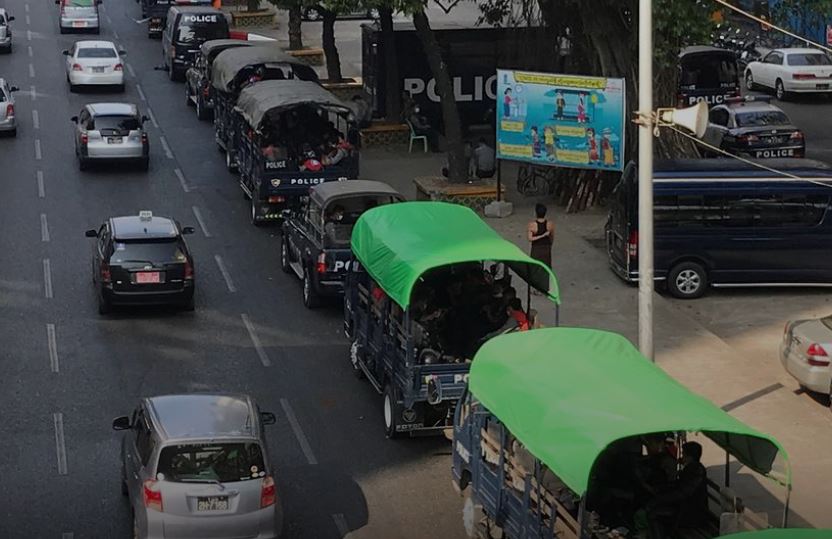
x=67, y=372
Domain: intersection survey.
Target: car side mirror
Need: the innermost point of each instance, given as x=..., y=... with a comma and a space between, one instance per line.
x=144, y=118
x=188, y=230
x=14, y=89
x=122, y=53
x=74, y=119
x=92, y=233
x=122, y=423
x=11, y=17
x=65, y=52
x=57, y=2
x=268, y=418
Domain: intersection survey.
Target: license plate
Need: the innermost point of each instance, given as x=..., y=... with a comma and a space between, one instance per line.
x=79, y=24
x=774, y=153
x=114, y=140
x=147, y=277
x=212, y=503
x=98, y=69
x=822, y=86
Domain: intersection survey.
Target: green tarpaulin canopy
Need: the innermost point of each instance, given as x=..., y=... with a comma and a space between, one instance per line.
x=787, y=533
x=396, y=244
x=568, y=393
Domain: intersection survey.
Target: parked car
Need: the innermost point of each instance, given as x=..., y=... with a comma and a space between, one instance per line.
x=198, y=466
x=110, y=132
x=753, y=127
x=79, y=15
x=5, y=31
x=94, y=63
x=707, y=74
x=805, y=353
x=788, y=71
x=142, y=260
x=186, y=29
x=8, y=120
x=313, y=13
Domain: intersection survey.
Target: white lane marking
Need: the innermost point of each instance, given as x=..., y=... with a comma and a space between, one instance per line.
x=165, y=147
x=225, y=275
x=32, y=92
x=115, y=34
x=41, y=187
x=28, y=20
x=293, y=422
x=341, y=524
x=26, y=8
x=141, y=93
x=47, y=278
x=198, y=215
x=38, y=154
x=31, y=71
x=28, y=35
x=44, y=228
x=152, y=117
x=60, y=444
x=182, y=182
x=35, y=119
x=130, y=69
x=264, y=359
x=53, y=347
x=109, y=20
x=31, y=52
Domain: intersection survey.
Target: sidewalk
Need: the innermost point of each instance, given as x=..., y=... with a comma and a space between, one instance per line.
x=592, y=296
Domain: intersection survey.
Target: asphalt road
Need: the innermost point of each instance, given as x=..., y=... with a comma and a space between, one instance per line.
x=66, y=371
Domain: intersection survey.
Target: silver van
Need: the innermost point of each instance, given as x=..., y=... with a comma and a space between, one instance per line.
x=196, y=466
x=110, y=132
x=79, y=15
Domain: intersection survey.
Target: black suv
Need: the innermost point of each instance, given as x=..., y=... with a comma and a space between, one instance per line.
x=142, y=260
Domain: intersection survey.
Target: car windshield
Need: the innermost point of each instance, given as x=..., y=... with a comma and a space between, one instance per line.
x=97, y=52
x=200, y=32
x=701, y=71
x=808, y=59
x=762, y=118
x=156, y=251
x=210, y=462
x=121, y=123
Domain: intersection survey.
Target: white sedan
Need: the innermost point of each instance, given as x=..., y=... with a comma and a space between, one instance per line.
x=789, y=71
x=805, y=353
x=96, y=63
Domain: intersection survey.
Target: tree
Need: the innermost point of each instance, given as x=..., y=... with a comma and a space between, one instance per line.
x=333, y=58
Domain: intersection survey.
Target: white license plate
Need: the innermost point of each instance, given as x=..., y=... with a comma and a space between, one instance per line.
x=114, y=140
x=212, y=503
x=78, y=24
x=148, y=277
x=98, y=69
x=822, y=86
x=774, y=153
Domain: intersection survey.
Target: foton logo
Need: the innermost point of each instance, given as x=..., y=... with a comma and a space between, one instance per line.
x=199, y=18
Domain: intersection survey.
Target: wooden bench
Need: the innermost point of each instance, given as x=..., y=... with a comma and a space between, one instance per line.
x=313, y=56
x=475, y=195
x=346, y=89
x=251, y=19
x=384, y=134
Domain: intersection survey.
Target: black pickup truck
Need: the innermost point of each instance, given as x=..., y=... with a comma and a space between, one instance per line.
x=316, y=236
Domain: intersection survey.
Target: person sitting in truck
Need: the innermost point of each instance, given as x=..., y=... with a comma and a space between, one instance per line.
x=310, y=161
x=339, y=149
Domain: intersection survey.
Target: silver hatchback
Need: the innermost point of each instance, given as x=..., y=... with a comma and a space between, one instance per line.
x=8, y=120
x=79, y=15
x=110, y=132
x=196, y=467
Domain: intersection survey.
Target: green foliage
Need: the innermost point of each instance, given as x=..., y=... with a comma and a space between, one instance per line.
x=678, y=24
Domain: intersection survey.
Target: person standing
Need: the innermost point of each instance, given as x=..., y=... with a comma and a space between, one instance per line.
x=541, y=234
x=560, y=104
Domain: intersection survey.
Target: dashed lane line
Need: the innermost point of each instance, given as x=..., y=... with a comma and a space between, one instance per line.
x=130, y=69
x=182, y=181
x=30, y=51
x=32, y=92
x=26, y=8
x=293, y=422
x=225, y=275
x=41, y=186
x=38, y=154
x=60, y=443
x=28, y=20
x=152, y=117
x=44, y=228
x=261, y=352
x=201, y=221
x=52, y=342
x=28, y=35
x=165, y=147
x=141, y=92
x=35, y=119
x=31, y=71
x=47, y=278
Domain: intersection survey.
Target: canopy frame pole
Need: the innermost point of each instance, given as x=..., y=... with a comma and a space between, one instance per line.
x=786, y=507
x=727, y=469
x=557, y=314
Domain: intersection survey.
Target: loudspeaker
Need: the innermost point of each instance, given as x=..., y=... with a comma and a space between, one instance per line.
x=694, y=119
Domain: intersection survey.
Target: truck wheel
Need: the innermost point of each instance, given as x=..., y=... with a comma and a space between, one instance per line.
x=104, y=305
x=392, y=411
x=254, y=220
x=687, y=280
x=201, y=111
x=230, y=164
x=476, y=523
x=284, y=255
x=311, y=299
x=355, y=356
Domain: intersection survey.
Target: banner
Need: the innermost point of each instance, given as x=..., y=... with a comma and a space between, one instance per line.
x=560, y=120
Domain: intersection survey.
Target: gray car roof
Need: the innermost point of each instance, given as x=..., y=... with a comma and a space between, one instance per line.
x=325, y=192
x=132, y=228
x=113, y=109
x=204, y=416
x=259, y=99
x=230, y=62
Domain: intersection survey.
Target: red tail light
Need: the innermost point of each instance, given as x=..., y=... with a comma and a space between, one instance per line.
x=748, y=138
x=321, y=266
x=9, y=110
x=276, y=199
x=797, y=135
x=268, y=493
x=144, y=138
x=189, y=270
x=77, y=67
x=632, y=244
x=152, y=497
x=803, y=76
x=817, y=355
x=105, y=272
x=118, y=67
x=84, y=138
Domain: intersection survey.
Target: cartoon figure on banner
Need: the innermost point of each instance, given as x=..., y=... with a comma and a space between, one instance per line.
x=560, y=104
x=535, y=141
x=592, y=145
x=607, y=151
x=507, y=103
x=549, y=141
x=581, y=109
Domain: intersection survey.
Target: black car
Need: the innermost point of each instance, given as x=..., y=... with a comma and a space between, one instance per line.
x=142, y=260
x=198, y=77
x=753, y=127
x=316, y=236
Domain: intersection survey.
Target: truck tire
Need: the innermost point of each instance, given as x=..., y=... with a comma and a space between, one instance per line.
x=355, y=355
x=284, y=254
x=202, y=114
x=687, y=280
x=476, y=523
x=392, y=411
x=230, y=164
x=311, y=298
x=104, y=305
x=253, y=216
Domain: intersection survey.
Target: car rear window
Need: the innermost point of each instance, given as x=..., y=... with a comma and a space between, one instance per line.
x=121, y=123
x=80, y=3
x=157, y=251
x=201, y=28
x=808, y=59
x=762, y=118
x=702, y=71
x=223, y=462
x=97, y=52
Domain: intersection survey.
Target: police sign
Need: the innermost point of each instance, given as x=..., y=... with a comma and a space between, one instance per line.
x=205, y=18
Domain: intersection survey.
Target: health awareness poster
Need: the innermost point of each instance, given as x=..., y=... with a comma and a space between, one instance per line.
x=560, y=120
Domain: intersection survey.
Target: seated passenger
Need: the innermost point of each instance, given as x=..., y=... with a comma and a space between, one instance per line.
x=310, y=160
x=656, y=470
x=256, y=76
x=515, y=312
x=338, y=150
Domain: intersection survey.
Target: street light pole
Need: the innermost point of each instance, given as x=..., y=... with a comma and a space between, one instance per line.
x=645, y=178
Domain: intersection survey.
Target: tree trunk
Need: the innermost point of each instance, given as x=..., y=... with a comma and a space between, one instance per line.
x=457, y=166
x=392, y=98
x=333, y=60
x=295, y=35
